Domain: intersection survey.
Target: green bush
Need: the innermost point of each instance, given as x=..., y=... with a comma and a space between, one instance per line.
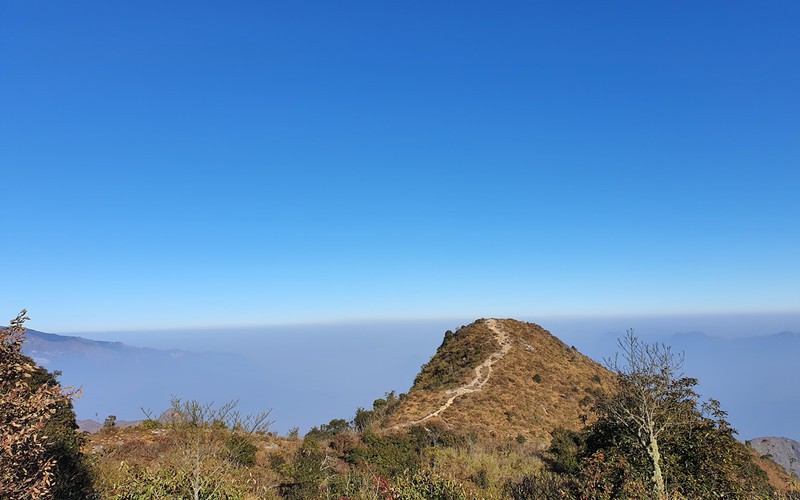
x=150, y=424
x=139, y=483
x=363, y=419
x=455, y=359
x=241, y=450
x=72, y=472
x=389, y=456
x=566, y=450
x=424, y=485
x=306, y=472
x=110, y=423
x=381, y=408
x=540, y=485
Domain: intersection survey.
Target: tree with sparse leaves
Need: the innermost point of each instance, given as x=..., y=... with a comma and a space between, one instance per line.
x=654, y=430
x=653, y=398
x=27, y=410
x=653, y=438
x=212, y=440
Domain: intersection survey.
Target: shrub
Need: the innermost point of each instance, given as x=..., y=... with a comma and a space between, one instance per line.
x=363, y=419
x=388, y=455
x=205, y=451
x=539, y=485
x=455, y=359
x=566, y=451
x=39, y=444
x=72, y=478
x=241, y=450
x=110, y=423
x=150, y=424
x=381, y=408
x=424, y=485
x=307, y=471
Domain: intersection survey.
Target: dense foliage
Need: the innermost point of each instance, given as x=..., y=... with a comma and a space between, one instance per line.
x=653, y=438
x=72, y=478
x=455, y=359
x=40, y=454
x=706, y=461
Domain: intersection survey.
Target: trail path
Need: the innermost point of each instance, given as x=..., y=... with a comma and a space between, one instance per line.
x=482, y=373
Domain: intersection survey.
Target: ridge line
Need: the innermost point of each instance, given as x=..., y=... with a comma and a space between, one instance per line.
x=477, y=382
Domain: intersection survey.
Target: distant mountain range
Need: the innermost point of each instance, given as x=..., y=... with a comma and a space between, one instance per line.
x=122, y=380
x=44, y=347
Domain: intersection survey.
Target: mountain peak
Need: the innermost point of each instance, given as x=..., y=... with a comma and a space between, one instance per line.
x=503, y=378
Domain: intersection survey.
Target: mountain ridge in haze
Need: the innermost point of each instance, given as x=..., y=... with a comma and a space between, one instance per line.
x=122, y=380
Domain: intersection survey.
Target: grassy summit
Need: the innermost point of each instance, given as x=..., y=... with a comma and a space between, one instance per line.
x=537, y=385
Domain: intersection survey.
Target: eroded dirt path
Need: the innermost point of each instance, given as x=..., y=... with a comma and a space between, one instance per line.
x=482, y=373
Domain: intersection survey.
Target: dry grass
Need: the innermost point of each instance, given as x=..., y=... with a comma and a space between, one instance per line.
x=540, y=385
x=138, y=459
x=784, y=482
x=484, y=469
x=461, y=351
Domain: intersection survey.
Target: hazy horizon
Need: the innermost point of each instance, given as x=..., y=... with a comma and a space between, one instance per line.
x=309, y=374
x=569, y=327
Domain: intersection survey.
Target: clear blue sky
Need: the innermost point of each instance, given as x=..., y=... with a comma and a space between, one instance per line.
x=169, y=164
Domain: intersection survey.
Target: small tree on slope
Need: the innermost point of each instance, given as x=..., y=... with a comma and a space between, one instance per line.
x=651, y=440
x=653, y=398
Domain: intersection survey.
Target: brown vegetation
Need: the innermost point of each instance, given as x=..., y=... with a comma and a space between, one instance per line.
x=541, y=384
x=28, y=408
x=518, y=415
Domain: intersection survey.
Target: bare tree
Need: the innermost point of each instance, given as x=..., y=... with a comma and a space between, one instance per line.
x=653, y=397
x=210, y=438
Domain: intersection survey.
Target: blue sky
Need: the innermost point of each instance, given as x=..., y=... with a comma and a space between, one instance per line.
x=187, y=164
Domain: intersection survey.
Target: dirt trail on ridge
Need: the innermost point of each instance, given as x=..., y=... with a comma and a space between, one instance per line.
x=482, y=373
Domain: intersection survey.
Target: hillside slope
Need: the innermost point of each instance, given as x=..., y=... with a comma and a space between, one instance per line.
x=785, y=452
x=503, y=378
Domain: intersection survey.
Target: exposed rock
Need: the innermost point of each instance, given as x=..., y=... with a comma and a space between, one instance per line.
x=783, y=451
